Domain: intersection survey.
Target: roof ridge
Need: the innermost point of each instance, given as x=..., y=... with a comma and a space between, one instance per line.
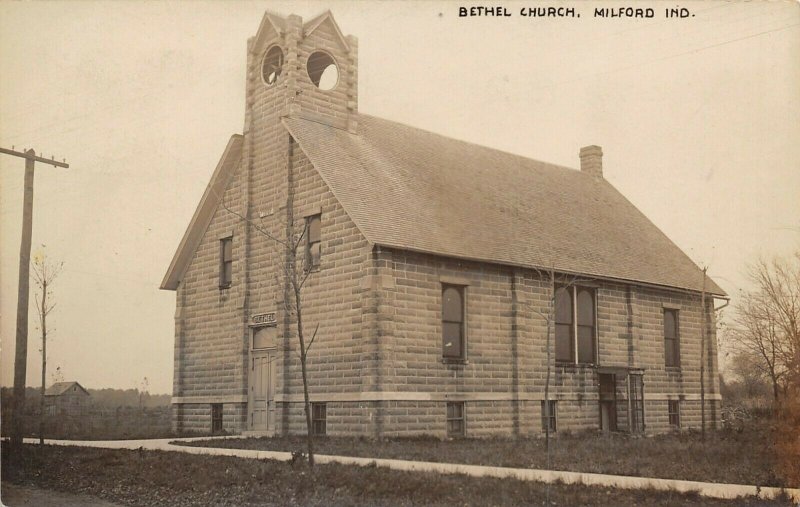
x=471, y=143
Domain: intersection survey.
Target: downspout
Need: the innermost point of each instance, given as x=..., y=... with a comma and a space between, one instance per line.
x=247, y=152
x=714, y=391
x=727, y=302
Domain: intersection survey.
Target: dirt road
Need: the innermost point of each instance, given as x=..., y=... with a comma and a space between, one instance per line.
x=31, y=496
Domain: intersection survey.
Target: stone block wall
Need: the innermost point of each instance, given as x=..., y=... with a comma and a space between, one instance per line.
x=209, y=343
x=377, y=356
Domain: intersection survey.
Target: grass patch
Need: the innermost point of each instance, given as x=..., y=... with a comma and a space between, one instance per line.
x=747, y=457
x=157, y=478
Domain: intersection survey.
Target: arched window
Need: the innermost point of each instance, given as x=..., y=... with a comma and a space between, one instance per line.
x=564, y=327
x=313, y=241
x=322, y=70
x=575, y=325
x=272, y=65
x=585, y=326
x=453, y=322
x=672, y=354
x=225, y=262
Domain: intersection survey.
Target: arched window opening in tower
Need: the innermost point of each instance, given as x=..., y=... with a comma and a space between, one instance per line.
x=272, y=65
x=322, y=70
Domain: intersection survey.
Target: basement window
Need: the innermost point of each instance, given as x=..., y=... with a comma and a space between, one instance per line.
x=549, y=417
x=319, y=419
x=322, y=70
x=272, y=65
x=216, y=417
x=674, y=410
x=455, y=419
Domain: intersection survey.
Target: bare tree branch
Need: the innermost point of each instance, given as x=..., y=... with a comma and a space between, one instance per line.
x=256, y=226
x=313, y=337
x=766, y=323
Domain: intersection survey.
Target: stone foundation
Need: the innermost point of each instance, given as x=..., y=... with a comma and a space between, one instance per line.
x=415, y=418
x=191, y=418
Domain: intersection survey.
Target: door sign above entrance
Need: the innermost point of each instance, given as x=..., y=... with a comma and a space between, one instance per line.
x=264, y=319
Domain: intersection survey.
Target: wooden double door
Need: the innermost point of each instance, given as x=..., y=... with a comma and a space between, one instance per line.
x=261, y=400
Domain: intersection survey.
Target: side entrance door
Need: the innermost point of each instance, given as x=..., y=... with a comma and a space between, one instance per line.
x=608, y=402
x=261, y=392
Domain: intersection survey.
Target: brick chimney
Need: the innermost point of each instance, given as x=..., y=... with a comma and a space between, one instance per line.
x=592, y=161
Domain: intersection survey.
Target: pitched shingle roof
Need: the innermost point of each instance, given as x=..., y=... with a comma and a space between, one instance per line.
x=226, y=167
x=60, y=388
x=411, y=189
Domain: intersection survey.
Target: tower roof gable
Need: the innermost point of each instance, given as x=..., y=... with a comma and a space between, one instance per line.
x=327, y=16
x=271, y=26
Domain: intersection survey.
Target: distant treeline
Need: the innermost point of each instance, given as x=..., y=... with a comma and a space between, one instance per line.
x=106, y=414
x=104, y=398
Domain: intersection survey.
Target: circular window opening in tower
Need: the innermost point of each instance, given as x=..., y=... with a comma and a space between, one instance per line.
x=272, y=65
x=322, y=70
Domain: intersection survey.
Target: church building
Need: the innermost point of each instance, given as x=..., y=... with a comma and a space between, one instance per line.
x=439, y=278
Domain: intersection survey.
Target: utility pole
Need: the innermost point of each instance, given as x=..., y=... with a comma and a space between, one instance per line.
x=703, y=353
x=21, y=353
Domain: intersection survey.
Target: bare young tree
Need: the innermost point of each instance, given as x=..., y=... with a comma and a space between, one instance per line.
x=296, y=271
x=548, y=315
x=555, y=282
x=767, y=323
x=44, y=272
x=294, y=306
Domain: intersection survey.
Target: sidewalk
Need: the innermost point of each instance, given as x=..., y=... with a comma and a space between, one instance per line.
x=709, y=489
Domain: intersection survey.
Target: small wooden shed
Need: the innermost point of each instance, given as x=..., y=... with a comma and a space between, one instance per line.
x=66, y=398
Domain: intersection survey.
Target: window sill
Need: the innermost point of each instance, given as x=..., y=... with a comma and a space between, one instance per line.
x=673, y=369
x=225, y=287
x=455, y=360
x=563, y=364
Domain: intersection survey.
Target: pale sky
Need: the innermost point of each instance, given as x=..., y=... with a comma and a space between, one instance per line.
x=698, y=118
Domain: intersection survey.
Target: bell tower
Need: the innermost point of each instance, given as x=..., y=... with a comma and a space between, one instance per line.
x=307, y=70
